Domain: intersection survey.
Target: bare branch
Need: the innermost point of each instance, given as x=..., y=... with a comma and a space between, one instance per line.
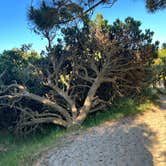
x=43, y=100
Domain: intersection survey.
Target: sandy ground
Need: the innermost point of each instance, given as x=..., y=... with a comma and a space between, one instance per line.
x=136, y=141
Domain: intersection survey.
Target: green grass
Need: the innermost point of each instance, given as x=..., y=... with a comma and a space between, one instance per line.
x=122, y=108
x=24, y=152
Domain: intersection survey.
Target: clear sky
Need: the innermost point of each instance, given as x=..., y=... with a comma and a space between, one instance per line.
x=15, y=31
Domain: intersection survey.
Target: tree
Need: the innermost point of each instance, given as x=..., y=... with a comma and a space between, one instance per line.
x=17, y=66
x=154, y=5
x=164, y=45
x=162, y=52
x=51, y=15
x=77, y=68
x=71, y=10
x=163, y=73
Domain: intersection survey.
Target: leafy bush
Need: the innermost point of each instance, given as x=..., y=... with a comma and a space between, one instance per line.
x=81, y=74
x=17, y=66
x=162, y=52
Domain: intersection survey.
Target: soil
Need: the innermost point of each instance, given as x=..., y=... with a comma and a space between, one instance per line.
x=133, y=141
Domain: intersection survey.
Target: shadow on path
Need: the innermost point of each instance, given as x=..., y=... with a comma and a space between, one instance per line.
x=115, y=145
x=134, y=141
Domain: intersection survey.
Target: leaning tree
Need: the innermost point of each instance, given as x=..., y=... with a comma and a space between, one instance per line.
x=86, y=58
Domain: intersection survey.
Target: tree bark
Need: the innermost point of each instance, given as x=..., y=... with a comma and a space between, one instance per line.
x=88, y=102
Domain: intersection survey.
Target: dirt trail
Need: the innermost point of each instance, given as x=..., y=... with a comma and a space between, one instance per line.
x=138, y=141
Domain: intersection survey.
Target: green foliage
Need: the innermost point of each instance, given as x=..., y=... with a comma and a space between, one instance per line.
x=99, y=23
x=150, y=94
x=162, y=52
x=14, y=62
x=24, y=152
x=19, y=66
x=94, y=46
x=121, y=108
x=164, y=45
x=52, y=14
x=134, y=43
x=49, y=17
x=163, y=71
x=114, y=60
x=159, y=68
x=154, y=5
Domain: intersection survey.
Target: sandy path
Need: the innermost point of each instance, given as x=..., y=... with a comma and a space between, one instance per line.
x=139, y=141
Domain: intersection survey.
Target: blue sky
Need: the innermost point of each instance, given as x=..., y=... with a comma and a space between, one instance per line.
x=15, y=31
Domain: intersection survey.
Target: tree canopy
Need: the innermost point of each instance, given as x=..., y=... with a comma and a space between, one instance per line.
x=154, y=5
x=85, y=70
